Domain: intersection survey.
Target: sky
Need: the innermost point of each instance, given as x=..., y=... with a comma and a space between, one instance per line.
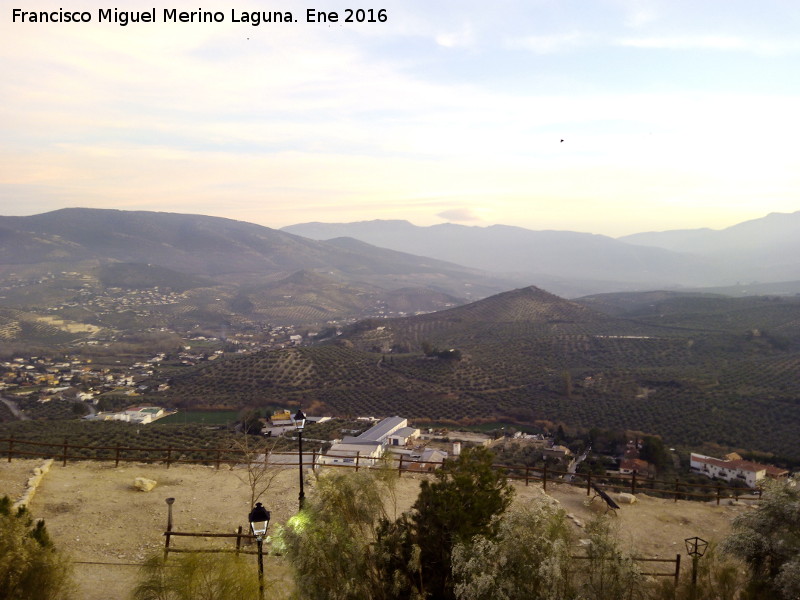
x=602, y=116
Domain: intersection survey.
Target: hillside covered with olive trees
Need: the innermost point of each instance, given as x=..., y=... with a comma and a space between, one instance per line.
x=692, y=368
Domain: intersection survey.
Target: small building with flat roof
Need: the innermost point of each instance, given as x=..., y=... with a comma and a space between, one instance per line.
x=370, y=445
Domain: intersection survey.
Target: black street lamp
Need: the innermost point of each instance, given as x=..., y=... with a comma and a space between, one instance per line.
x=300, y=423
x=259, y=521
x=170, y=502
x=695, y=547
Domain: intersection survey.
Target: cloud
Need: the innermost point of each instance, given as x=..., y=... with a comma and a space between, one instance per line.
x=711, y=42
x=641, y=17
x=638, y=13
x=714, y=42
x=459, y=215
x=456, y=39
x=550, y=44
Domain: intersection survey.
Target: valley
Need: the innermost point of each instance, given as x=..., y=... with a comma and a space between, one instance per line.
x=230, y=315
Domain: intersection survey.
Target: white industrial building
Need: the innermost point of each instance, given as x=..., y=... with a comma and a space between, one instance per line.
x=368, y=447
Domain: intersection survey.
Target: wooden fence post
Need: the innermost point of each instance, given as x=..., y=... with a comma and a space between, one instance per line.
x=219, y=457
x=400, y=467
x=544, y=477
x=166, y=544
x=64, y=457
x=633, y=482
x=588, y=484
x=10, y=448
x=527, y=472
x=313, y=461
x=719, y=491
x=239, y=540
x=677, y=568
x=358, y=457
x=677, y=488
x=169, y=455
x=116, y=456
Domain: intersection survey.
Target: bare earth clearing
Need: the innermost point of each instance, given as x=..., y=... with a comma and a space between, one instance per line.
x=93, y=512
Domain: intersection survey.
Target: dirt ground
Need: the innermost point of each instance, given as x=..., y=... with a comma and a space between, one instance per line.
x=93, y=511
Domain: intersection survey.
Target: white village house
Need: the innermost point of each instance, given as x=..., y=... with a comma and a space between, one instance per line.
x=734, y=468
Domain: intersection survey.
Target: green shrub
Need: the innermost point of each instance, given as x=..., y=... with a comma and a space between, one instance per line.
x=30, y=567
x=195, y=576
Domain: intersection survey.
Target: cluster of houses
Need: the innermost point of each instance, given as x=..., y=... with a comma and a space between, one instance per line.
x=50, y=376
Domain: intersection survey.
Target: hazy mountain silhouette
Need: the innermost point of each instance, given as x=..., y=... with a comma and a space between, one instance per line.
x=568, y=263
x=223, y=249
x=766, y=249
x=573, y=264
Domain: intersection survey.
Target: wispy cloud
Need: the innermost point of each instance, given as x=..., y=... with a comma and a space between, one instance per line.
x=550, y=44
x=459, y=215
x=454, y=39
x=712, y=42
x=639, y=13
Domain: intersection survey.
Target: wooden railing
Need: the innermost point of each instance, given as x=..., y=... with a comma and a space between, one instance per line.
x=674, y=572
x=65, y=452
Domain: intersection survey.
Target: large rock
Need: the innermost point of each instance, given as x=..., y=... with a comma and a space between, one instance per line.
x=626, y=498
x=143, y=484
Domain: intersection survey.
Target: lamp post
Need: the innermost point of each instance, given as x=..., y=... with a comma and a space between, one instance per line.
x=170, y=502
x=695, y=547
x=300, y=423
x=259, y=521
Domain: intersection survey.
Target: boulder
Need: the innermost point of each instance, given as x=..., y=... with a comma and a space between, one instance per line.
x=143, y=484
x=575, y=520
x=626, y=498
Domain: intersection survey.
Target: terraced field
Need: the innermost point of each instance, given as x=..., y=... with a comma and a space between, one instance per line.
x=16, y=325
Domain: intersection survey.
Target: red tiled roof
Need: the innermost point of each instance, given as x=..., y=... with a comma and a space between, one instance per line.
x=742, y=465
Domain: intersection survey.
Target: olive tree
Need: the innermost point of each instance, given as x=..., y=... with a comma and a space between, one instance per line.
x=329, y=543
x=345, y=546
x=463, y=501
x=768, y=540
x=30, y=566
x=528, y=559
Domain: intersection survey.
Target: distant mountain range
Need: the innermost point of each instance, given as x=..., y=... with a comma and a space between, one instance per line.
x=574, y=264
x=224, y=249
x=64, y=263
x=766, y=249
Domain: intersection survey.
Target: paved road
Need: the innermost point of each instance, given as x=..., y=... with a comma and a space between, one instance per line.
x=575, y=464
x=12, y=406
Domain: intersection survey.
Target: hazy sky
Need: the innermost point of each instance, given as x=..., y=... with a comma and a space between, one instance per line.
x=673, y=114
